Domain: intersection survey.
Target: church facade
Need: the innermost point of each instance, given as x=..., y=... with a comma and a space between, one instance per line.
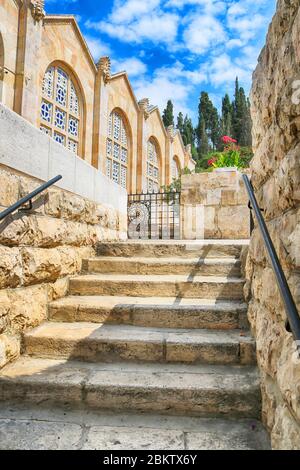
x=48, y=76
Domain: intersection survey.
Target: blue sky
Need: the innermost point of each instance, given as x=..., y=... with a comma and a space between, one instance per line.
x=174, y=49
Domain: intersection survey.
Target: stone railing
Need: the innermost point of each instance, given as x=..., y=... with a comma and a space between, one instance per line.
x=215, y=206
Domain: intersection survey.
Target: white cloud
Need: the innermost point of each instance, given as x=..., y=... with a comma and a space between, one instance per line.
x=209, y=41
x=208, y=6
x=203, y=33
x=162, y=88
x=240, y=22
x=124, y=11
x=157, y=28
x=223, y=69
x=175, y=83
x=133, y=66
x=97, y=47
x=136, y=21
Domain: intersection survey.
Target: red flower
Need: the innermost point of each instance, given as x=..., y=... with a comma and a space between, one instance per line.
x=228, y=140
x=211, y=161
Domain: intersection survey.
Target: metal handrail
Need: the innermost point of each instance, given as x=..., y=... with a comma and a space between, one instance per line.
x=290, y=306
x=29, y=197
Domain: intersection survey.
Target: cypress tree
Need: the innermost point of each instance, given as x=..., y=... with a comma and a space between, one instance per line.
x=242, y=123
x=211, y=118
x=247, y=125
x=203, y=138
x=180, y=123
x=188, y=131
x=168, y=114
x=215, y=128
x=227, y=116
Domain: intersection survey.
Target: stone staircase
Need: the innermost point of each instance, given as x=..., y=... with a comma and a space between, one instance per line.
x=151, y=343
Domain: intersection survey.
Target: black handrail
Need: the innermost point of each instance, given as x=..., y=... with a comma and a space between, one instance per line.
x=290, y=306
x=29, y=197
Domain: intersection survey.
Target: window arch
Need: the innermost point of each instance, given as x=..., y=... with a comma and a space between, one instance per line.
x=175, y=168
x=61, y=108
x=117, y=149
x=153, y=173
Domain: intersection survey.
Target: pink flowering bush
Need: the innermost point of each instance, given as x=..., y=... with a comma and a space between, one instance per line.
x=230, y=157
x=228, y=140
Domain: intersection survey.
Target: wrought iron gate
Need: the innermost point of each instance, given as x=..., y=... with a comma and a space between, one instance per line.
x=154, y=216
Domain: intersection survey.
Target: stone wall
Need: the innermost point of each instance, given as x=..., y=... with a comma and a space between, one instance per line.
x=41, y=248
x=276, y=179
x=214, y=205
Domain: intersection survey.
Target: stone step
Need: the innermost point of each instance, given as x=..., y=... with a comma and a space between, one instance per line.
x=170, y=248
x=160, y=312
x=109, y=343
x=197, y=390
x=210, y=266
x=24, y=427
x=179, y=286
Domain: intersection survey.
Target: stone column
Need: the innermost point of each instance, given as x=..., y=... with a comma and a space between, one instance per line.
x=169, y=155
x=101, y=113
x=28, y=58
x=141, y=183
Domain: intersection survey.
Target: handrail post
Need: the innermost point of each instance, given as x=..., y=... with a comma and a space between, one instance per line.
x=29, y=197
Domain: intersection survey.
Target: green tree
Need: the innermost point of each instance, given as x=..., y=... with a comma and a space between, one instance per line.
x=241, y=122
x=227, y=114
x=208, y=113
x=188, y=131
x=180, y=123
x=246, y=137
x=215, y=128
x=168, y=114
x=202, y=137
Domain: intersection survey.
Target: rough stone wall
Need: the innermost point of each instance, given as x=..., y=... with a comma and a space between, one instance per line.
x=276, y=179
x=214, y=205
x=39, y=250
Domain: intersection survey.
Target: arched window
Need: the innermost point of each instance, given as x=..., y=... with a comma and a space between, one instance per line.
x=175, y=170
x=117, y=150
x=152, y=167
x=61, y=108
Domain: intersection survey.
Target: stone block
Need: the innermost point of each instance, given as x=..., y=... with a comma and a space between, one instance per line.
x=28, y=307
x=285, y=434
x=233, y=222
x=229, y=197
x=10, y=267
x=9, y=188
x=17, y=229
x=84, y=179
x=62, y=162
x=58, y=289
x=10, y=347
x=47, y=265
x=213, y=197
x=27, y=185
x=22, y=146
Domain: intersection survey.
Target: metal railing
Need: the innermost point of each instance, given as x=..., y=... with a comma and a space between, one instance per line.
x=289, y=304
x=154, y=216
x=29, y=198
